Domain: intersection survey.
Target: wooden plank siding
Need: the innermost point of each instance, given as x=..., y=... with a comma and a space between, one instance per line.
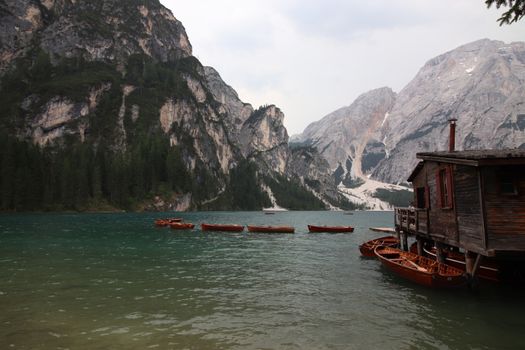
x=442, y=221
x=460, y=224
x=505, y=213
x=471, y=232
x=484, y=213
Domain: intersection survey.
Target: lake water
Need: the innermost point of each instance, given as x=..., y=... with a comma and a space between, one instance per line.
x=110, y=281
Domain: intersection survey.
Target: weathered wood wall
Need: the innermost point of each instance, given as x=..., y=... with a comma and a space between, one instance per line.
x=441, y=221
x=505, y=213
x=469, y=211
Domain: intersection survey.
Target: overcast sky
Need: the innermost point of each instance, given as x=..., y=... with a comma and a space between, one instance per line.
x=311, y=57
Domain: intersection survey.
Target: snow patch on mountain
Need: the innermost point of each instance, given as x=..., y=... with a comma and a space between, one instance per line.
x=364, y=194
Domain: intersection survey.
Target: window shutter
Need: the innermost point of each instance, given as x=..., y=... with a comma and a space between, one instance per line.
x=427, y=197
x=450, y=186
x=439, y=197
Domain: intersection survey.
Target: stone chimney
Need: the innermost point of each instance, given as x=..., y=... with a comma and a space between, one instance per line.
x=452, y=136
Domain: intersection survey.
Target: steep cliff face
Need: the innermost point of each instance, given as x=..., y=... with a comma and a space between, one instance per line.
x=482, y=84
x=313, y=170
x=230, y=104
x=349, y=136
x=94, y=30
x=263, y=137
x=110, y=88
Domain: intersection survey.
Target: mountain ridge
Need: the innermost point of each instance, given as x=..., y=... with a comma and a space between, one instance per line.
x=108, y=95
x=479, y=83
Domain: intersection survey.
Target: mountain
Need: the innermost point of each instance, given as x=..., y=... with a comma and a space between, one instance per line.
x=482, y=84
x=348, y=134
x=103, y=105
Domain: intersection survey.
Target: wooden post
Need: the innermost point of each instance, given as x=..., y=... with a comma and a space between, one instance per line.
x=405, y=241
x=440, y=257
x=419, y=246
x=472, y=261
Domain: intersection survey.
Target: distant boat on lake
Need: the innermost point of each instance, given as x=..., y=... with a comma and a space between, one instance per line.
x=222, y=227
x=271, y=229
x=166, y=222
x=330, y=229
x=181, y=226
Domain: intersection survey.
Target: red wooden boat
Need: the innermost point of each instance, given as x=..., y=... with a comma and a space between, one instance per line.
x=487, y=270
x=222, y=227
x=166, y=222
x=382, y=229
x=330, y=229
x=271, y=229
x=419, y=269
x=181, y=226
x=367, y=248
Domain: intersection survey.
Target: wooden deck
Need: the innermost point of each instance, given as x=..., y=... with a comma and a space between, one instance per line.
x=412, y=220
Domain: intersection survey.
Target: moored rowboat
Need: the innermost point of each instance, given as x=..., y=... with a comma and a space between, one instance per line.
x=367, y=248
x=222, y=227
x=419, y=269
x=271, y=229
x=330, y=229
x=181, y=226
x=166, y=222
x=488, y=270
x=382, y=229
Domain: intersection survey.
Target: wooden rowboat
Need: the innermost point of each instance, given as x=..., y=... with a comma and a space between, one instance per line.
x=181, y=226
x=419, y=269
x=166, y=222
x=488, y=270
x=221, y=227
x=367, y=248
x=330, y=229
x=271, y=229
x=382, y=229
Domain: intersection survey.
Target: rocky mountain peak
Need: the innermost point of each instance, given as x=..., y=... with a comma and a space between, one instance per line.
x=115, y=80
x=105, y=30
x=342, y=136
x=264, y=137
x=481, y=84
x=231, y=104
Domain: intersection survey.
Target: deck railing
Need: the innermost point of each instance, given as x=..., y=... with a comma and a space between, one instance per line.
x=411, y=220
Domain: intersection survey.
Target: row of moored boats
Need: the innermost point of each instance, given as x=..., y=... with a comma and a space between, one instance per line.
x=178, y=224
x=424, y=270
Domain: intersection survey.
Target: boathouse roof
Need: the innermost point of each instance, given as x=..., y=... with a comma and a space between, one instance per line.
x=472, y=157
x=477, y=157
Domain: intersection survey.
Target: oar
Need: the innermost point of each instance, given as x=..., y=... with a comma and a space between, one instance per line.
x=419, y=268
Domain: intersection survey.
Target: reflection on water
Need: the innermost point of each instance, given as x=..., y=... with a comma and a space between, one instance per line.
x=114, y=281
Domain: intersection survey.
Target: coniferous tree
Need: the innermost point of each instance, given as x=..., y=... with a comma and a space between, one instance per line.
x=515, y=13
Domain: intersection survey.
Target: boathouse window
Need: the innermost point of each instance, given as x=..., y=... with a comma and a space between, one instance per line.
x=444, y=188
x=507, y=185
x=422, y=198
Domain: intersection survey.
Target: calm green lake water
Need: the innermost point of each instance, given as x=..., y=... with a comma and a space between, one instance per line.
x=110, y=281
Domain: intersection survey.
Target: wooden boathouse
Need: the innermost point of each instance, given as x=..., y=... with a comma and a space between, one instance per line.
x=468, y=201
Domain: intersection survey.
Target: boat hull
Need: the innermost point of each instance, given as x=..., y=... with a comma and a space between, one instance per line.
x=166, y=222
x=181, y=226
x=419, y=269
x=383, y=229
x=271, y=229
x=486, y=271
x=330, y=229
x=220, y=227
x=367, y=248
